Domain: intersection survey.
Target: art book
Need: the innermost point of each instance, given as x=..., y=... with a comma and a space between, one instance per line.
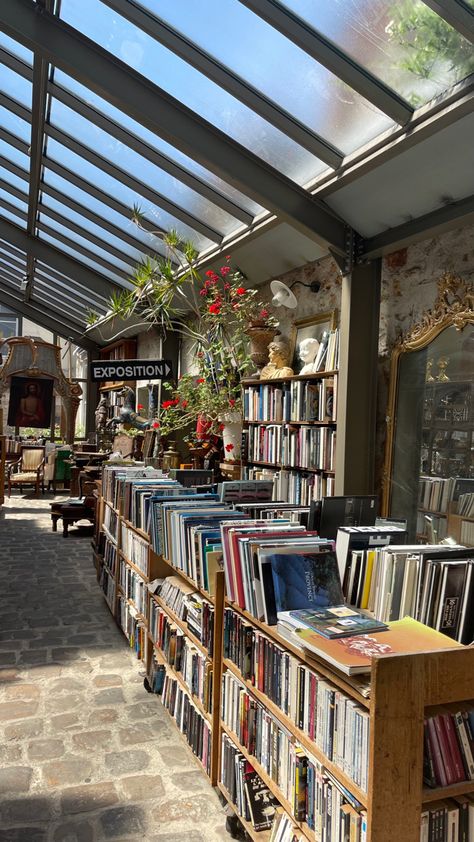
x=333, y=622
x=354, y=654
x=300, y=580
x=261, y=803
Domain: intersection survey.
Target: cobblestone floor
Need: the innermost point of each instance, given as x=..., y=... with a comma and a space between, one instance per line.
x=85, y=753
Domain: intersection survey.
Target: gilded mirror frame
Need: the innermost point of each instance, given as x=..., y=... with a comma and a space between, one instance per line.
x=453, y=307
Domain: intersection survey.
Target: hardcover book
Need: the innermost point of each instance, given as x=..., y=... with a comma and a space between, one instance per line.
x=261, y=803
x=354, y=655
x=299, y=579
x=333, y=622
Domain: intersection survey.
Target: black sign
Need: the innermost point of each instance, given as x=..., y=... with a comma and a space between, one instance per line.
x=130, y=370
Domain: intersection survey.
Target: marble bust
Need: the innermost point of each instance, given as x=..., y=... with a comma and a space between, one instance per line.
x=277, y=365
x=307, y=352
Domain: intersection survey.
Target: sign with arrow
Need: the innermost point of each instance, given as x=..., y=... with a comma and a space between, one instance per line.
x=130, y=370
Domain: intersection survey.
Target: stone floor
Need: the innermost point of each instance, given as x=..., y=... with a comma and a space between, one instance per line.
x=85, y=753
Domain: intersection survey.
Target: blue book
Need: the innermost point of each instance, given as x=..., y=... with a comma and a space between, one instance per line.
x=292, y=581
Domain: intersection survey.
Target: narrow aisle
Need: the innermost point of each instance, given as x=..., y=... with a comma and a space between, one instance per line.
x=85, y=753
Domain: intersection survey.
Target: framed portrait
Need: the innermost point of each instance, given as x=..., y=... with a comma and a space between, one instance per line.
x=312, y=327
x=148, y=443
x=31, y=401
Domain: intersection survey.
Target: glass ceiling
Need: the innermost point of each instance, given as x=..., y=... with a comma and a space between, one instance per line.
x=295, y=86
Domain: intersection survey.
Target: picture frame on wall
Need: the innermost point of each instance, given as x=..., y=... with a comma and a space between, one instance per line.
x=312, y=327
x=31, y=402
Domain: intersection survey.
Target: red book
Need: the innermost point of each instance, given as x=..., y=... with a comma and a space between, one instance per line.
x=439, y=769
x=456, y=756
x=445, y=749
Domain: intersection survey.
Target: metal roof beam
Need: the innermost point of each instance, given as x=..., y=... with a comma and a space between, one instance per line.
x=332, y=57
x=132, y=141
x=57, y=259
x=45, y=317
x=76, y=313
x=45, y=271
x=228, y=81
x=443, y=219
x=457, y=13
x=132, y=93
x=38, y=118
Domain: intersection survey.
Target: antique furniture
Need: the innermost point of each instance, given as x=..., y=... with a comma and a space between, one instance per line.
x=71, y=513
x=430, y=416
x=28, y=470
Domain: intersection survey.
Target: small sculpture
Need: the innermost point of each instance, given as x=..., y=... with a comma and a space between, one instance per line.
x=101, y=415
x=307, y=352
x=127, y=415
x=277, y=365
x=443, y=363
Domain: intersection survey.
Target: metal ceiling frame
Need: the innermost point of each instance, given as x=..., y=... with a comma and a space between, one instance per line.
x=127, y=137
x=324, y=51
x=56, y=258
x=43, y=316
x=228, y=80
x=435, y=222
x=44, y=273
x=113, y=80
x=457, y=13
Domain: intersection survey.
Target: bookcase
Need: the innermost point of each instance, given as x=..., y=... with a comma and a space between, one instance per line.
x=3, y=440
x=394, y=701
x=124, y=349
x=290, y=434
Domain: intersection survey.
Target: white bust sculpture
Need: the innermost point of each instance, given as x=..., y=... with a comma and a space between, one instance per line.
x=307, y=352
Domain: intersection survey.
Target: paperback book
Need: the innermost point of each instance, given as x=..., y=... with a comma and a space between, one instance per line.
x=333, y=622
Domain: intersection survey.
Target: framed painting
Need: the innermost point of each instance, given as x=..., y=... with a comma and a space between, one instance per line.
x=312, y=327
x=31, y=400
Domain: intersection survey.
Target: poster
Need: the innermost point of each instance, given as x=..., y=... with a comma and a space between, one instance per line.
x=30, y=402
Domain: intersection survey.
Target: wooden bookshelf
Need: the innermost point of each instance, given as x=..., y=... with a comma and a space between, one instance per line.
x=3, y=444
x=399, y=694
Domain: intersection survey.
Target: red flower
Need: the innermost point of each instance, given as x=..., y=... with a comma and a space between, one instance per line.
x=221, y=427
x=140, y=406
x=231, y=402
x=200, y=380
x=263, y=314
x=167, y=404
x=240, y=291
x=155, y=425
x=209, y=273
x=225, y=270
x=229, y=447
x=227, y=286
x=215, y=308
x=184, y=404
x=227, y=257
x=203, y=291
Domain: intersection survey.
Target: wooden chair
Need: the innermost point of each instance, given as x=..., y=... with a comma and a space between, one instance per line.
x=29, y=470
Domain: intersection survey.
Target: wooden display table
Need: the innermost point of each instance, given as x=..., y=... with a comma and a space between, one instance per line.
x=71, y=513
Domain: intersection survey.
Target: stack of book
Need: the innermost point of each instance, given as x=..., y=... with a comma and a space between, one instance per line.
x=253, y=800
x=295, y=487
x=191, y=607
x=133, y=587
x=132, y=625
x=431, y=583
x=135, y=548
x=190, y=721
x=110, y=524
x=292, y=447
x=436, y=493
x=297, y=401
x=448, y=820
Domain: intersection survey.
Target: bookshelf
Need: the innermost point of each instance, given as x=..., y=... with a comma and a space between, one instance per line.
x=290, y=434
x=399, y=694
x=124, y=349
x=3, y=440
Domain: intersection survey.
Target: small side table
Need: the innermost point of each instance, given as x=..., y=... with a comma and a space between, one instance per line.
x=70, y=513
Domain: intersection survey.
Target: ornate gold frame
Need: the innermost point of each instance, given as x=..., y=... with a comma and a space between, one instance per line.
x=453, y=306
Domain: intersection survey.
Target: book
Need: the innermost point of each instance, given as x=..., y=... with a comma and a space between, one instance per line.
x=298, y=580
x=333, y=622
x=354, y=655
x=261, y=803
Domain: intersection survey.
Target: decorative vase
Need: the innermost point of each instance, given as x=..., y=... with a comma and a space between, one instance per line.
x=202, y=428
x=232, y=436
x=260, y=337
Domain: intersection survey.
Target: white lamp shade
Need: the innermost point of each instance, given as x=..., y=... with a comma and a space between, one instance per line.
x=282, y=296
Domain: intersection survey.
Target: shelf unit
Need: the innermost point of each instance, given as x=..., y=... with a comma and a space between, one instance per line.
x=124, y=349
x=397, y=695
x=305, y=459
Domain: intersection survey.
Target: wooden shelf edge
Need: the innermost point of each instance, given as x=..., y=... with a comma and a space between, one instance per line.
x=317, y=375
x=278, y=465
x=461, y=788
x=188, y=579
x=133, y=566
x=302, y=738
x=140, y=532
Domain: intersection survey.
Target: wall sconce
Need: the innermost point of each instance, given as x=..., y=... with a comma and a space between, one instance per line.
x=284, y=297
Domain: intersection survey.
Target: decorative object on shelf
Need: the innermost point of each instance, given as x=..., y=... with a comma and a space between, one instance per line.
x=260, y=336
x=429, y=370
x=312, y=327
x=127, y=416
x=171, y=457
x=278, y=359
x=423, y=437
x=232, y=436
x=101, y=415
x=443, y=363
x=283, y=295
x=307, y=352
